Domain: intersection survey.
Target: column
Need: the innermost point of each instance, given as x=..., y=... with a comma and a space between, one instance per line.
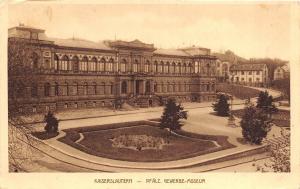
x=133, y=87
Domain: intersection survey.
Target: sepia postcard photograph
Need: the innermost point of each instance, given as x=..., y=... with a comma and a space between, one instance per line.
x=156, y=89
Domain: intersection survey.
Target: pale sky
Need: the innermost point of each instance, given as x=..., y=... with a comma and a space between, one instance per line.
x=249, y=30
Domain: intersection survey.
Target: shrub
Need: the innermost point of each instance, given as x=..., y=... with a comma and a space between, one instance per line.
x=221, y=106
x=265, y=103
x=172, y=115
x=255, y=125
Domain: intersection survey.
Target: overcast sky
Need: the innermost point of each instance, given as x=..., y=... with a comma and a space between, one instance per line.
x=249, y=30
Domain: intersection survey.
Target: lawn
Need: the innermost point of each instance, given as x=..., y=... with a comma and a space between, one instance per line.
x=281, y=118
x=99, y=142
x=238, y=91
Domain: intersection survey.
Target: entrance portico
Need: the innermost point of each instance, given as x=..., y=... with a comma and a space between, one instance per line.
x=142, y=87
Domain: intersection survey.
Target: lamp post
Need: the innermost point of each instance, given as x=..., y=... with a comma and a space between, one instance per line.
x=231, y=119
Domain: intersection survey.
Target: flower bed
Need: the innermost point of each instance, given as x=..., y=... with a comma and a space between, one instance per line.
x=142, y=143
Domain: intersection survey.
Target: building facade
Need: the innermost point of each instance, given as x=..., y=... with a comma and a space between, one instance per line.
x=249, y=74
x=76, y=73
x=282, y=72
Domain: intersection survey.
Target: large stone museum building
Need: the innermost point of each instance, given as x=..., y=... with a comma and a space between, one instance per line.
x=54, y=74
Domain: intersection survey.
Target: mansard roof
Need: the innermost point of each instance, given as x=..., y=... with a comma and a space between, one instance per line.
x=173, y=52
x=109, y=45
x=80, y=43
x=248, y=67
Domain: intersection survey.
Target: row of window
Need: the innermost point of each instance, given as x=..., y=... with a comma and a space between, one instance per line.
x=82, y=65
x=101, y=66
x=69, y=105
x=249, y=79
x=165, y=88
x=94, y=89
x=249, y=72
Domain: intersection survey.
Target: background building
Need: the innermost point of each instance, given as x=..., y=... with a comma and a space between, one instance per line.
x=54, y=74
x=282, y=72
x=249, y=74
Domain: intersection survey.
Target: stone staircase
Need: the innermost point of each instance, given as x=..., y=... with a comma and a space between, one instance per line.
x=277, y=142
x=143, y=101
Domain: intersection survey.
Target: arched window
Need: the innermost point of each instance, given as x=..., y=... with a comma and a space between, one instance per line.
x=84, y=64
x=189, y=70
x=135, y=66
x=64, y=63
x=66, y=89
x=169, y=87
x=110, y=88
x=75, y=88
x=147, y=66
x=155, y=87
x=155, y=69
x=184, y=69
x=94, y=88
x=147, y=87
x=35, y=60
x=47, y=89
x=85, y=88
x=196, y=67
x=102, y=88
x=92, y=64
x=124, y=87
x=56, y=62
x=160, y=67
x=110, y=65
x=167, y=67
x=106, y=65
x=75, y=63
x=123, y=65
x=173, y=68
x=56, y=87
x=179, y=68
x=34, y=90
x=101, y=65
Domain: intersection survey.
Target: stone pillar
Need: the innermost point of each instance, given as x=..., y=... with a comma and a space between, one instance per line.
x=133, y=87
x=143, y=87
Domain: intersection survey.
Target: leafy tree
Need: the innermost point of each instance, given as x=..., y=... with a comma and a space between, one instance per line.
x=265, y=103
x=221, y=106
x=255, y=125
x=172, y=115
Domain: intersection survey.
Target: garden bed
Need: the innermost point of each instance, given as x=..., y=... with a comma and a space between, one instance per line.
x=98, y=141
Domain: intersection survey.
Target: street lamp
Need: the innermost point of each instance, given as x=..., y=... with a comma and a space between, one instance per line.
x=231, y=119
